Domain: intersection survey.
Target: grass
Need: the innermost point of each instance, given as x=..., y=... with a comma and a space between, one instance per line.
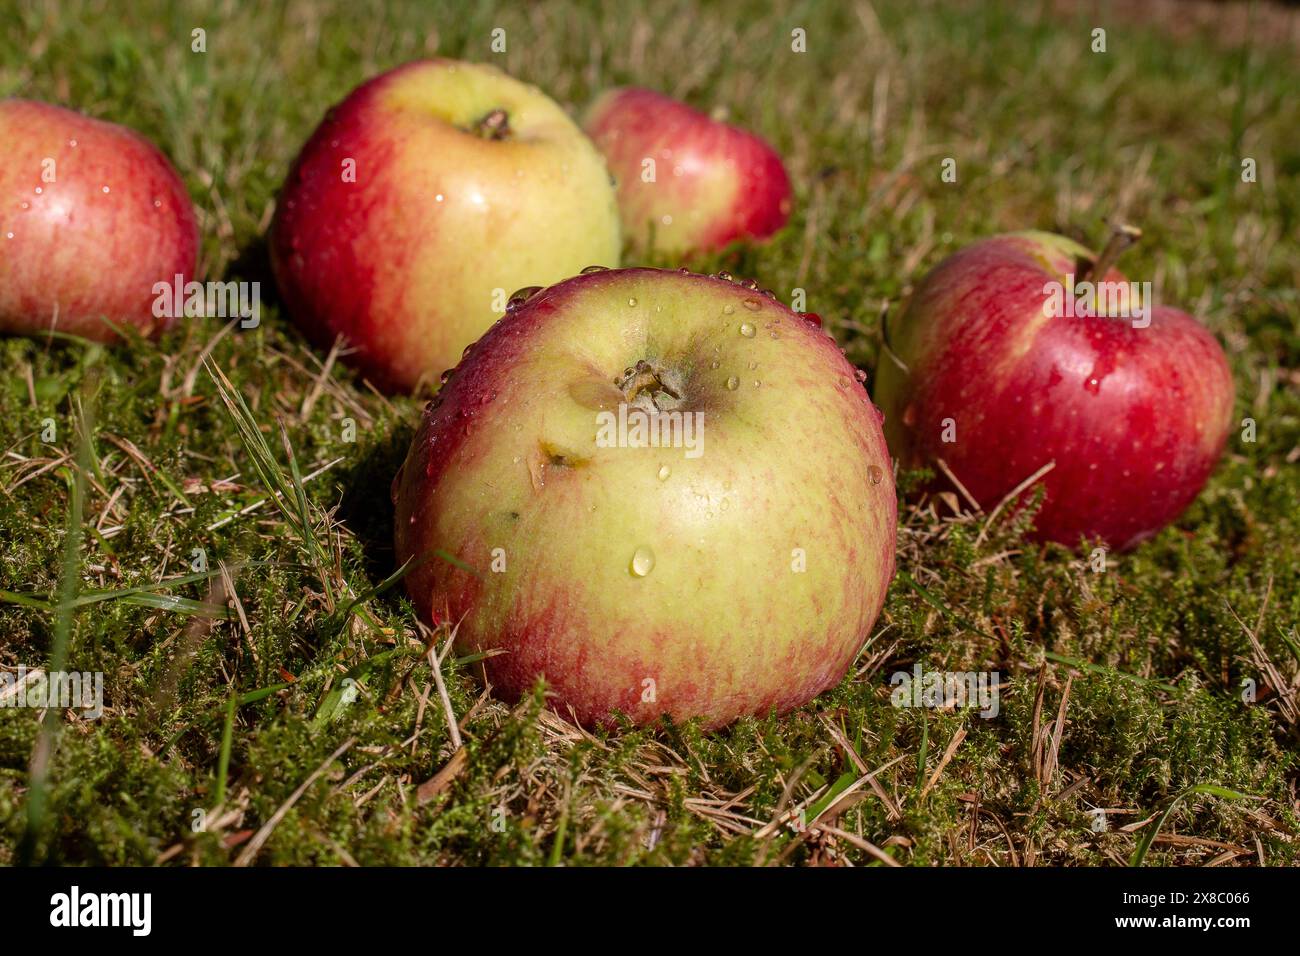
x=270, y=696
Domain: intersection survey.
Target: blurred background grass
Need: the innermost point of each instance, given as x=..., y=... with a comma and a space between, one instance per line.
x=1145, y=662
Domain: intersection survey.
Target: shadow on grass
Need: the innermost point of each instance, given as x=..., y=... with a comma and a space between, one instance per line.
x=366, y=507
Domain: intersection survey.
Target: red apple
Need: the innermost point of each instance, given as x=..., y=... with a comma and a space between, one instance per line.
x=92, y=217
x=422, y=201
x=1131, y=407
x=687, y=182
x=734, y=574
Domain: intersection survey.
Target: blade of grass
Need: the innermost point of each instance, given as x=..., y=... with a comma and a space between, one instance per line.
x=223, y=758
x=264, y=463
x=69, y=582
x=1106, y=671
x=1149, y=835
x=30, y=599
x=561, y=831
x=924, y=753
x=332, y=704
x=939, y=606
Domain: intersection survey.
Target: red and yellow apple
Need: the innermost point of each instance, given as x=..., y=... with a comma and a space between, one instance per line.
x=687, y=182
x=92, y=217
x=1130, y=406
x=422, y=201
x=733, y=573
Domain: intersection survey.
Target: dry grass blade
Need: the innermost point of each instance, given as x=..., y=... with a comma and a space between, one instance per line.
x=1287, y=689
x=951, y=749
x=1011, y=496
x=249, y=853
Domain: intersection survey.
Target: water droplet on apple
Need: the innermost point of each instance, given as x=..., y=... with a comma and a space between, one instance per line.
x=746, y=330
x=643, y=562
x=909, y=415
x=752, y=366
x=860, y=375
x=749, y=284
x=631, y=303
x=733, y=383
x=38, y=190
x=713, y=364
x=724, y=276
x=522, y=296
x=752, y=304
x=664, y=472
x=812, y=318
x=728, y=309
x=875, y=473
x=588, y=270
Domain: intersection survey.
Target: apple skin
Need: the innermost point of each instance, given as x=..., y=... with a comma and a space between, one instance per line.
x=1134, y=418
x=407, y=278
x=793, y=457
x=715, y=183
x=91, y=245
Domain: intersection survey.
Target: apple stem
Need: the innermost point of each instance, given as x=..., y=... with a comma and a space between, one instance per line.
x=495, y=125
x=1122, y=236
x=644, y=378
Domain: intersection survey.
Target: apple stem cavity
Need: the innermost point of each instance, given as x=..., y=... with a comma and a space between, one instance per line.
x=1122, y=236
x=494, y=125
x=645, y=379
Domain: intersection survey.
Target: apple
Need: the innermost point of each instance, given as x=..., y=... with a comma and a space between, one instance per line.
x=687, y=182
x=665, y=493
x=997, y=368
x=422, y=201
x=92, y=216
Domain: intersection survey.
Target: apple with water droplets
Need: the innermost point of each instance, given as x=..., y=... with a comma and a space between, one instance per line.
x=687, y=182
x=423, y=201
x=1013, y=365
x=665, y=493
x=92, y=218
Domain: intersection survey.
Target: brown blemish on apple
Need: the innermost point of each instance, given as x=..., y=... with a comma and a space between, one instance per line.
x=548, y=459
